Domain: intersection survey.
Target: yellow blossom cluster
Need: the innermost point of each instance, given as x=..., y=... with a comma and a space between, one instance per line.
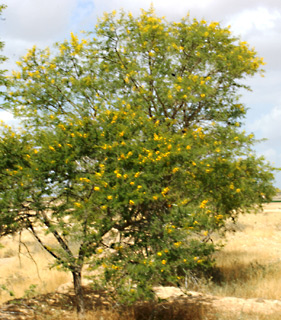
x=198, y=132
x=203, y=204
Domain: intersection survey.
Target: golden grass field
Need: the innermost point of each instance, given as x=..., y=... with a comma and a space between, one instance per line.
x=250, y=262
x=25, y=265
x=248, y=266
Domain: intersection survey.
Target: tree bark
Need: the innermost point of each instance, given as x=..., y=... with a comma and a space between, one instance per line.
x=80, y=305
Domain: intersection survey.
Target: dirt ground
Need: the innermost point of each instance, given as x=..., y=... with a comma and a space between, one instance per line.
x=62, y=305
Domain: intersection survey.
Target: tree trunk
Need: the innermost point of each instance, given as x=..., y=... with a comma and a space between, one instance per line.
x=80, y=305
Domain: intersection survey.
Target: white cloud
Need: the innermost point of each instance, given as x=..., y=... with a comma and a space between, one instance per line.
x=35, y=20
x=268, y=125
x=260, y=19
x=8, y=118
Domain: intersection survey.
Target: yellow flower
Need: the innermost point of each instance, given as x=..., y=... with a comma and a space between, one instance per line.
x=159, y=254
x=131, y=202
x=175, y=170
x=96, y=188
x=165, y=191
x=78, y=204
x=203, y=204
x=99, y=250
x=51, y=148
x=188, y=147
x=109, y=197
x=164, y=262
x=137, y=174
x=203, y=95
x=177, y=244
x=238, y=190
x=139, y=187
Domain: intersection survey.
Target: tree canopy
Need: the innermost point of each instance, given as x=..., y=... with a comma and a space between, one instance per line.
x=188, y=70
x=132, y=154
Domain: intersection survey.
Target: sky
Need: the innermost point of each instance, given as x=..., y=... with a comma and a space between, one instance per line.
x=43, y=22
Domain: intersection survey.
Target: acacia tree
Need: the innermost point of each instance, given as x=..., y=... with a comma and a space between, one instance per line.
x=132, y=153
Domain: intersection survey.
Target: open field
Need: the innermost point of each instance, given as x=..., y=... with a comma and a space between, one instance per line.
x=249, y=266
x=25, y=268
x=246, y=283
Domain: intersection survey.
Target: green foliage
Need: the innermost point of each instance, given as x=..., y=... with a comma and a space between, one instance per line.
x=4, y=288
x=31, y=291
x=132, y=153
x=189, y=71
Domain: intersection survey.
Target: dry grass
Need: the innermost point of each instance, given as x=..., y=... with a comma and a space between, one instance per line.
x=249, y=266
x=247, y=316
x=25, y=266
x=163, y=311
